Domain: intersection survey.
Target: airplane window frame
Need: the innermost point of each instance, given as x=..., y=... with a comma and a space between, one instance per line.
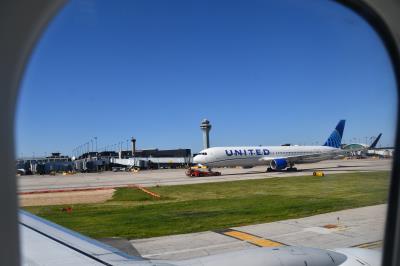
x=391, y=246
x=28, y=19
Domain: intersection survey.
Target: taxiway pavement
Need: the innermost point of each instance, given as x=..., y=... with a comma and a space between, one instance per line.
x=360, y=227
x=149, y=178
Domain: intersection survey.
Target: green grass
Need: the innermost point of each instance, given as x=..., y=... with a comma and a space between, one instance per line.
x=215, y=206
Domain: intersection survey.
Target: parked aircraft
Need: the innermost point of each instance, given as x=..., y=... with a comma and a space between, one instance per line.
x=361, y=149
x=277, y=157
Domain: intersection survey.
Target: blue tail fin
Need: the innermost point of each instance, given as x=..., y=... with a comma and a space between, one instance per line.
x=335, y=138
x=373, y=145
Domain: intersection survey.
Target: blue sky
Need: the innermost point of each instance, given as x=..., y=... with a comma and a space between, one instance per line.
x=263, y=72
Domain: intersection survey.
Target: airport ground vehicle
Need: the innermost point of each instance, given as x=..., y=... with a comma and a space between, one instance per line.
x=318, y=173
x=197, y=172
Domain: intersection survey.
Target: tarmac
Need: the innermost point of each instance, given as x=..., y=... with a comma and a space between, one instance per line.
x=360, y=227
x=161, y=177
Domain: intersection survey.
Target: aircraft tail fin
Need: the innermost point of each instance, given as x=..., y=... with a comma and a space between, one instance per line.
x=335, y=139
x=373, y=144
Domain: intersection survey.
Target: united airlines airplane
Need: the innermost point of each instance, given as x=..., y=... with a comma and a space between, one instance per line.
x=277, y=157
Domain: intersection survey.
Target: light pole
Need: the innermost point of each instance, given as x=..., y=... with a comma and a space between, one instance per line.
x=120, y=149
x=95, y=138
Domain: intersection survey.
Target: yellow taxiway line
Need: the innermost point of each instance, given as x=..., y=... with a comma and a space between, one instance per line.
x=370, y=245
x=255, y=240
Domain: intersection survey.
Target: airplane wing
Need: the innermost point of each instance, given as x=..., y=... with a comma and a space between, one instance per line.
x=310, y=157
x=46, y=243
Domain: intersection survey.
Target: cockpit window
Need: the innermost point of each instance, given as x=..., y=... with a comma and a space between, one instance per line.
x=202, y=153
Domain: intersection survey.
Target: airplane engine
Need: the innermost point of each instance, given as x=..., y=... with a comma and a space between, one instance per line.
x=279, y=164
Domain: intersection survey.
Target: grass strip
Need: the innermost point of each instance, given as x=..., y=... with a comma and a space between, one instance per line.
x=215, y=206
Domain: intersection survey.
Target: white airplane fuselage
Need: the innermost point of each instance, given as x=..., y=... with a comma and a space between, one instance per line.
x=248, y=156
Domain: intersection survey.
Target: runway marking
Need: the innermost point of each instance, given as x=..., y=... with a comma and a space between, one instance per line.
x=252, y=239
x=370, y=245
x=73, y=189
x=153, y=194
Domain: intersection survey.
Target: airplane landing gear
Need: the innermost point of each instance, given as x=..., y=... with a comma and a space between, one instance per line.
x=289, y=169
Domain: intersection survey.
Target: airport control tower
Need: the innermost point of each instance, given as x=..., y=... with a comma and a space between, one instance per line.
x=133, y=147
x=206, y=127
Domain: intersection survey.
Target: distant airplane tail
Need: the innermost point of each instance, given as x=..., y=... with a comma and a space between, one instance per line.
x=373, y=145
x=335, y=139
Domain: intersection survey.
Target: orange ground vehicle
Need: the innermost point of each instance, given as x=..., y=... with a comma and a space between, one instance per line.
x=197, y=172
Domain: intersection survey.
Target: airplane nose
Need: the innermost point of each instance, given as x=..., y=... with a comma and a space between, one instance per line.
x=197, y=160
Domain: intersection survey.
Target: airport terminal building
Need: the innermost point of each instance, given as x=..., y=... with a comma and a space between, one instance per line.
x=106, y=160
